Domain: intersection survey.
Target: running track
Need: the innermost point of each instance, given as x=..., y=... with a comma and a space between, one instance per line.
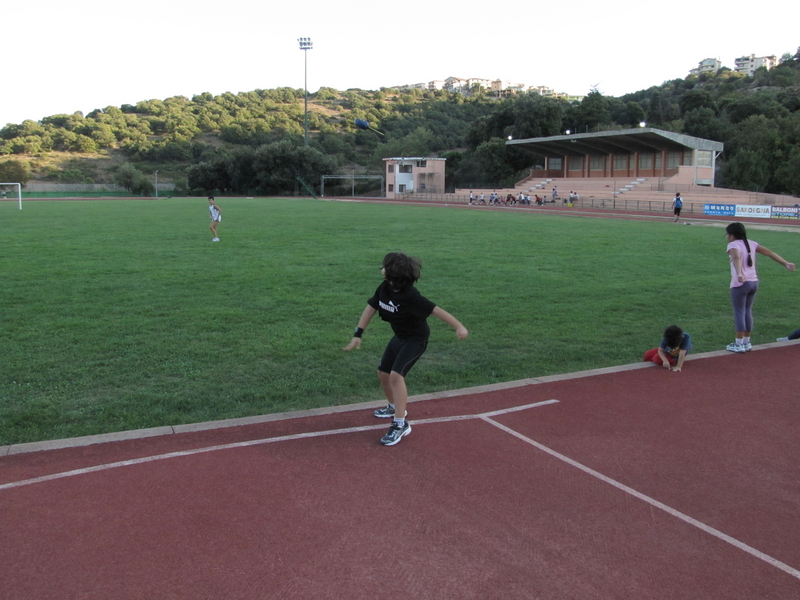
x=623, y=483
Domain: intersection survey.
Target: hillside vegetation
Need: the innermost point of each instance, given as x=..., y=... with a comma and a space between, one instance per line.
x=252, y=142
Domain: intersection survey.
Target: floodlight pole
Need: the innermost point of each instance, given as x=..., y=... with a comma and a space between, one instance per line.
x=305, y=45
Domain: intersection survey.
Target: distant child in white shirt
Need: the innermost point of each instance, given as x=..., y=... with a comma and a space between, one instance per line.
x=216, y=217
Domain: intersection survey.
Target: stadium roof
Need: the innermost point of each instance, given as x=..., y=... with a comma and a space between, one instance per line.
x=641, y=139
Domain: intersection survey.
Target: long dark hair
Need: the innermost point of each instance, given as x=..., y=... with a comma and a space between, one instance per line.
x=738, y=232
x=402, y=271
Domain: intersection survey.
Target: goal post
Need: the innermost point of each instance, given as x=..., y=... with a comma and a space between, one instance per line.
x=352, y=179
x=19, y=192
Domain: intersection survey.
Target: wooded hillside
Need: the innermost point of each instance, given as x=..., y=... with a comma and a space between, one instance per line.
x=252, y=143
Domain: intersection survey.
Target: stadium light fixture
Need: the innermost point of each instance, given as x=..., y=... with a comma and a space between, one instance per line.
x=305, y=44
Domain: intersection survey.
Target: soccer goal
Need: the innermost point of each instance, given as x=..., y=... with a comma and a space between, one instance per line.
x=19, y=191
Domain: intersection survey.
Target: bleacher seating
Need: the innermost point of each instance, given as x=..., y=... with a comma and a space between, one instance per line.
x=641, y=190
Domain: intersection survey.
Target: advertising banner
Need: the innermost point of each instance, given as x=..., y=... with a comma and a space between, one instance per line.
x=723, y=210
x=785, y=212
x=748, y=210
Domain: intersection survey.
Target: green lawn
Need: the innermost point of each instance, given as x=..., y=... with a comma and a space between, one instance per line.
x=122, y=314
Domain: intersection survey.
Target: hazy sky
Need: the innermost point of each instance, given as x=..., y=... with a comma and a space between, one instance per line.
x=61, y=57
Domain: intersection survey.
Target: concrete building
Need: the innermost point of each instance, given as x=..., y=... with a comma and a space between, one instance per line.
x=410, y=175
x=748, y=64
x=707, y=65
x=630, y=153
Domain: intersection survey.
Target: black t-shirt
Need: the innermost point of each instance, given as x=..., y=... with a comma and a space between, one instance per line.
x=405, y=311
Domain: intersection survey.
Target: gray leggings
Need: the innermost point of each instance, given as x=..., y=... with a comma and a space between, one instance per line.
x=742, y=298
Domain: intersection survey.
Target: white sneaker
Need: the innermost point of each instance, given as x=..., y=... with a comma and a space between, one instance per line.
x=786, y=339
x=215, y=240
x=396, y=433
x=748, y=346
x=734, y=347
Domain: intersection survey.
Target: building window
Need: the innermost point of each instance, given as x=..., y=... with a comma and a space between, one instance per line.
x=405, y=169
x=391, y=187
x=620, y=162
x=673, y=160
x=688, y=158
x=401, y=188
x=391, y=168
x=422, y=187
x=575, y=163
x=645, y=161
x=596, y=163
x=422, y=163
x=703, y=158
x=657, y=163
x=554, y=164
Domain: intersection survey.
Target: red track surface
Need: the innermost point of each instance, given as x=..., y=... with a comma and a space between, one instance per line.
x=637, y=484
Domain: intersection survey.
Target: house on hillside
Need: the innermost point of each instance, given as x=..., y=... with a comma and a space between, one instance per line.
x=749, y=64
x=707, y=65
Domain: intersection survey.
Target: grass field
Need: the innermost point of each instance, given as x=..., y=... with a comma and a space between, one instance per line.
x=122, y=314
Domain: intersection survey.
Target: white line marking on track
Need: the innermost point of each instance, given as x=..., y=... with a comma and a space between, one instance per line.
x=671, y=511
x=283, y=438
x=487, y=417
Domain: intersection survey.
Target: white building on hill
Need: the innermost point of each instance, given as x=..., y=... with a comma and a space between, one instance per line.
x=749, y=64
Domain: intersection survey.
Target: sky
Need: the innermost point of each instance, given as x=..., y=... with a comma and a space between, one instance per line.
x=61, y=57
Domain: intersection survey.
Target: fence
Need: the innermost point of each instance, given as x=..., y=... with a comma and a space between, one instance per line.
x=36, y=186
x=759, y=198
x=605, y=203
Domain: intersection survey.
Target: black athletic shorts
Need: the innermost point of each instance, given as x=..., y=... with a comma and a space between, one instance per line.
x=401, y=354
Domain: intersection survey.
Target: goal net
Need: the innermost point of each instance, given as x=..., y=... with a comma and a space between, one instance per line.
x=5, y=188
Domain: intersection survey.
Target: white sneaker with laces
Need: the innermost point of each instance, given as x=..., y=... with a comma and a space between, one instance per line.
x=734, y=347
x=396, y=433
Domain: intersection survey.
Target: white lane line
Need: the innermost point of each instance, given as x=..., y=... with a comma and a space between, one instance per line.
x=669, y=510
x=283, y=438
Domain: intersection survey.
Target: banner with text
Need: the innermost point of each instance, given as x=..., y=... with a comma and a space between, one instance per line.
x=751, y=211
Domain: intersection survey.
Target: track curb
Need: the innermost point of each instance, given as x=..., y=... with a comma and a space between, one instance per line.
x=138, y=434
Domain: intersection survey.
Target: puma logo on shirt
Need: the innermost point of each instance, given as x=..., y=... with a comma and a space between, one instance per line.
x=391, y=307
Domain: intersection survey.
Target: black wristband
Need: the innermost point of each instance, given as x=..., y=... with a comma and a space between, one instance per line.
x=358, y=332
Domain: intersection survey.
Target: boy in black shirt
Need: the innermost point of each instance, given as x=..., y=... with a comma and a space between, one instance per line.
x=399, y=303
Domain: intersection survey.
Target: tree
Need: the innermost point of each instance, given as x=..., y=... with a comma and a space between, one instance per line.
x=627, y=113
x=697, y=98
x=787, y=175
x=593, y=112
x=133, y=180
x=15, y=171
x=703, y=123
x=278, y=164
x=749, y=170
x=499, y=163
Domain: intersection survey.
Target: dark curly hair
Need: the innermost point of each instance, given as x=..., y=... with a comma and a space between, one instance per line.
x=401, y=271
x=673, y=336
